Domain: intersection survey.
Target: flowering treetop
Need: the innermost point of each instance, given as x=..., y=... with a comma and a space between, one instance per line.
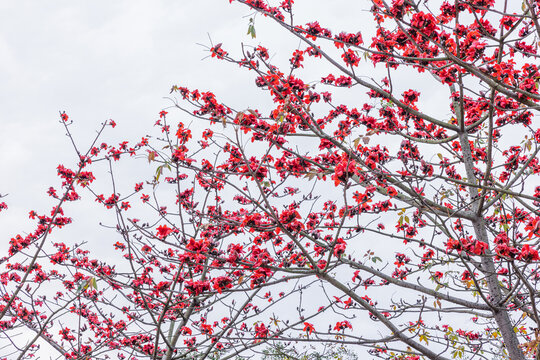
x=304, y=222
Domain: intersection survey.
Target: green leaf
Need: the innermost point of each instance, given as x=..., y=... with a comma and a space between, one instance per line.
x=251, y=28
x=159, y=171
x=93, y=283
x=251, y=31
x=424, y=337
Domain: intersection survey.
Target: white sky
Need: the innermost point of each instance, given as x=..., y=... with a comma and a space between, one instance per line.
x=100, y=60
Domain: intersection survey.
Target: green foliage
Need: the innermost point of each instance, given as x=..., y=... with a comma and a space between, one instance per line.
x=251, y=28
x=333, y=352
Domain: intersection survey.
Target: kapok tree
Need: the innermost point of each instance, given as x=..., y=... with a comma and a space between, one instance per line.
x=353, y=212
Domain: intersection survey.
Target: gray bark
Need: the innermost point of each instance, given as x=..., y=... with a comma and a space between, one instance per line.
x=500, y=313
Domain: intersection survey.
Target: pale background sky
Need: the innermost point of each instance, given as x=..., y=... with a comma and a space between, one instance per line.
x=100, y=60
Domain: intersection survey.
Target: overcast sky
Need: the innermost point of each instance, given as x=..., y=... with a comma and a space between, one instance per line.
x=100, y=60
